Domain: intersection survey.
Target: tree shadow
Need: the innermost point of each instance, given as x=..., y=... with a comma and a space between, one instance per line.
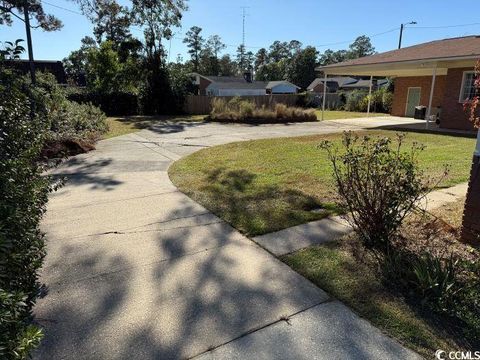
x=172, y=289
x=254, y=208
x=76, y=171
x=163, y=124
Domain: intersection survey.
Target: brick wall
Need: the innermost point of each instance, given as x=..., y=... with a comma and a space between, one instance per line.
x=203, y=86
x=319, y=88
x=453, y=116
x=424, y=82
x=471, y=218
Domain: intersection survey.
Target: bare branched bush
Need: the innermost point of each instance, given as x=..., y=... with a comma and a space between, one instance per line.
x=378, y=183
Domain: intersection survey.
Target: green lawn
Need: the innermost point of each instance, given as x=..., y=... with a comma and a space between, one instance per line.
x=336, y=115
x=128, y=124
x=266, y=185
x=334, y=269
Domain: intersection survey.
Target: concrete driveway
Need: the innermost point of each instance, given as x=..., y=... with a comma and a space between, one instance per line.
x=137, y=270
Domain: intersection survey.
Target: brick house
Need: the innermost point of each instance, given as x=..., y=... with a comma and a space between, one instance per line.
x=344, y=83
x=446, y=64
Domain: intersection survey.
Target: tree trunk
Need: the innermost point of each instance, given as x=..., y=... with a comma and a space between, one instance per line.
x=471, y=215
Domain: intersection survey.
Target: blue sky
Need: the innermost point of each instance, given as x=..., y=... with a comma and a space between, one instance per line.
x=313, y=22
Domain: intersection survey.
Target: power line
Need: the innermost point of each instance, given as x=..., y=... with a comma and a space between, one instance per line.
x=350, y=41
x=62, y=8
x=444, y=26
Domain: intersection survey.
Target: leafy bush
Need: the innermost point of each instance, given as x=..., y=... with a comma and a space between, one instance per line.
x=67, y=120
x=355, y=101
x=379, y=184
x=30, y=117
x=241, y=110
x=306, y=100
x=387, y=101
x=24, y=195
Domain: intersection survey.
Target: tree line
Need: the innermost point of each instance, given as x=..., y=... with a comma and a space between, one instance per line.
x=115, y=60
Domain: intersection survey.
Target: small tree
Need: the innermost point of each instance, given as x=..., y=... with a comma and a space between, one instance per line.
x=378, y=183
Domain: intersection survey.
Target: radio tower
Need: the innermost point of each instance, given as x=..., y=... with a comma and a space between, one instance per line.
x=244, y=15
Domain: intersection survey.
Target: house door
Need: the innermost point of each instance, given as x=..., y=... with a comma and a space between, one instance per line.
x=413, y=99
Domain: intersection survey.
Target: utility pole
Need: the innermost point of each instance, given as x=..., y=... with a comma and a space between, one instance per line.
x=29, y=42
x=402, y=26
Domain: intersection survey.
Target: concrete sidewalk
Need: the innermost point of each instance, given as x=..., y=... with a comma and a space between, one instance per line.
x=137, y=270
x=318, y=232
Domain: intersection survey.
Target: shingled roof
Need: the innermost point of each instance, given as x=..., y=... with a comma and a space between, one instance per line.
x=446, y=49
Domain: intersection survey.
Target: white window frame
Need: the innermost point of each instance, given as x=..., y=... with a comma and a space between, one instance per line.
x=461, y=97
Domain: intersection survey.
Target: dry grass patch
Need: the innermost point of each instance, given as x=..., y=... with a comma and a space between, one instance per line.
x=238, y=110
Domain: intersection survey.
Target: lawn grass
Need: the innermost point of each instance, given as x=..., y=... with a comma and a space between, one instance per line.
x=262, y=186
x=334, y=269
x=118, y=126
x=337, y=114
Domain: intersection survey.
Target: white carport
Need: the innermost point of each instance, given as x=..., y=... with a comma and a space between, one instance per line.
x=431, y=59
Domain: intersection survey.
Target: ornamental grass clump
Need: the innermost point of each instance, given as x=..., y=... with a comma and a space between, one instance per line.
x=240, y=110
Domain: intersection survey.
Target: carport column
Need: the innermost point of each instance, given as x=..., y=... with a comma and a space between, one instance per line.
x=471, y=218
x=324, y=93
x=370, y=95
x=430, y=100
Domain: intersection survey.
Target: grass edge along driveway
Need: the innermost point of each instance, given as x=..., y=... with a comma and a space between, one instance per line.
x=261, y=186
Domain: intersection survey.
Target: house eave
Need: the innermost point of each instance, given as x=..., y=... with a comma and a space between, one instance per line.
x=419, y=67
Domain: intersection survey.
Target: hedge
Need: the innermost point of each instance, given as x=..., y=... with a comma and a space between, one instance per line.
x=112, y=104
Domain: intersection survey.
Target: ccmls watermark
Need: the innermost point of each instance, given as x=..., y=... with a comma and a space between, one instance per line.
x=457, y=355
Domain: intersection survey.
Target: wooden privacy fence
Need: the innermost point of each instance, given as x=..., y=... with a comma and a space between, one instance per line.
x=202, y=105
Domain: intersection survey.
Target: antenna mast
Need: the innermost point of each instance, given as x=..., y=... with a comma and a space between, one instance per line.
x=244, y=15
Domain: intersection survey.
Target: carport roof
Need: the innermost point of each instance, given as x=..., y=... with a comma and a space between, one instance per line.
x=411, y=58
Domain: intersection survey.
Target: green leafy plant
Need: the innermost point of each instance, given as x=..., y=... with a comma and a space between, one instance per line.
x=434, y=278
x=12, y=50
x=24, y=196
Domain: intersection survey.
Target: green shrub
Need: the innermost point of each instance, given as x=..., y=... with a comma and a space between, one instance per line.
x=387, y=101
x=68, y=120
x=24, y=196
x=434, y=278
x=355, y=100
x=448, y=286
x=113, y=104
x=379, y=184
x=30, y=117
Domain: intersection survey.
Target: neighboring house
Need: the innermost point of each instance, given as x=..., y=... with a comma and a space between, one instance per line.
x=365, y=84
x=346, y=83
x=281, y=87
x=51, y=66
x=236, y=89
x=240, y=86
x=333, y=84
x=438, y=74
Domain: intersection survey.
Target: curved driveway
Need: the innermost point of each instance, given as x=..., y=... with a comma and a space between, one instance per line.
x=137, y=270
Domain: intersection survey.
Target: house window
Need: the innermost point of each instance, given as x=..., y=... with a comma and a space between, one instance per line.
x=468, y=91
